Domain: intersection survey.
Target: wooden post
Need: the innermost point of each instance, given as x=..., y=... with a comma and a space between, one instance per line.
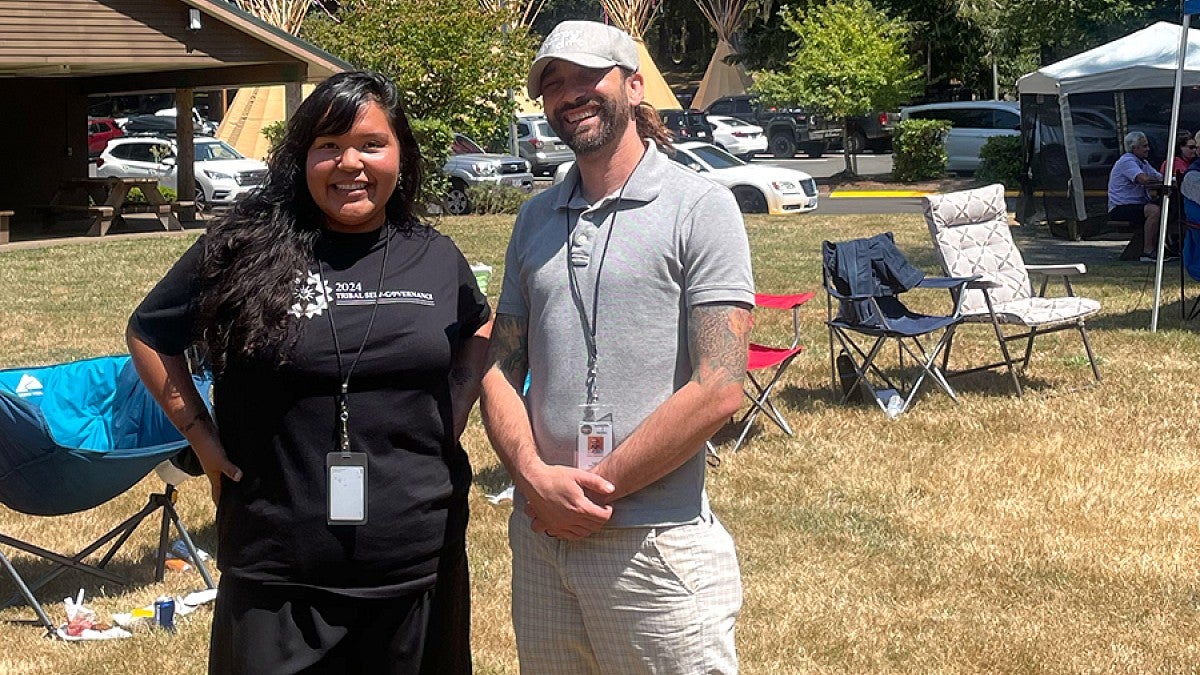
x=185, y=161
x=292, y=94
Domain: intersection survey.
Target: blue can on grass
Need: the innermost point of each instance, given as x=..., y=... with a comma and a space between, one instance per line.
x=164, y=613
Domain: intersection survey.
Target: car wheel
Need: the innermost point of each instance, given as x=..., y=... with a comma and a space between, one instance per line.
x=783, y=146
x=857, y=143
x=202, y=205
x=750, y=200
x=457, y=203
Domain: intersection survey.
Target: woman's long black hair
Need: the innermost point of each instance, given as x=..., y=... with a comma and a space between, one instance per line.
x=255, y=254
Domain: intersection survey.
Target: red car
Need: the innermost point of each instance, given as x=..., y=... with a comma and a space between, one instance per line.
x=100, y=131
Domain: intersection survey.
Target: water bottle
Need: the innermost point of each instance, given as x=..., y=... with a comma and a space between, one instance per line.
x=895, y=406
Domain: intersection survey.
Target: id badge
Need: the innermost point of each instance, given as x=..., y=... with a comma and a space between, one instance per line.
x=347, y=503
x=595, y=440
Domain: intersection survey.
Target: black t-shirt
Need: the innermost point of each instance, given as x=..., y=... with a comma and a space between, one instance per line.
x=278, y=423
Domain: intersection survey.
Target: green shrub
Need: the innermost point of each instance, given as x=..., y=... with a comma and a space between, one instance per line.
x=434, y=138
x=135, y=195
x=274, y=133
x=1001, y=163
x=919, y=150
x=490, y=198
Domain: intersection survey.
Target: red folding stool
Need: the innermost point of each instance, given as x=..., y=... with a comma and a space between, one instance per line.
x=763, y=357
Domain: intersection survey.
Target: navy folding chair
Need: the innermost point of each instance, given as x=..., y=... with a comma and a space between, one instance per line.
x=866, y=278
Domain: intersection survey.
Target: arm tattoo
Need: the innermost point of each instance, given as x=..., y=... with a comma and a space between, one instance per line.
x=200, y=418
x=718, y=336
x=510, y=341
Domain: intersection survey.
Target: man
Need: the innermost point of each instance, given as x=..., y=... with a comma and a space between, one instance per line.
x=626, y=297
x=1128, y=199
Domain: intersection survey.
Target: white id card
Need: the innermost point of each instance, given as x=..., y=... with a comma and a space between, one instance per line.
x=347, y=488
x=595, y=440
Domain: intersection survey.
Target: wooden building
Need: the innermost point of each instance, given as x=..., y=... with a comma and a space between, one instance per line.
x=56, y=53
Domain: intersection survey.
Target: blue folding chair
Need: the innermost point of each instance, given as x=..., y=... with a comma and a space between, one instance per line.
x=866, y=278
x=72, y=437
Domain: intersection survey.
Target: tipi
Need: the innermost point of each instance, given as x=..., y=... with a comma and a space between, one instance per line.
x=253, y=108
x=634, y=17
x=721, y=78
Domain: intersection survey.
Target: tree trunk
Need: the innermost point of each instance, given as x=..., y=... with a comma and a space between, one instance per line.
x=851, y=158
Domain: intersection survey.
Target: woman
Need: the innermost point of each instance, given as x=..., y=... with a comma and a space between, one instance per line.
x=1185, y=152
x=347, y=340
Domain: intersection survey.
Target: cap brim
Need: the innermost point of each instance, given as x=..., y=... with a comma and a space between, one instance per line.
x=534, y=82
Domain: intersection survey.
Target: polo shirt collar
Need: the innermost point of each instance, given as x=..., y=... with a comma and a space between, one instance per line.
x=644, y=184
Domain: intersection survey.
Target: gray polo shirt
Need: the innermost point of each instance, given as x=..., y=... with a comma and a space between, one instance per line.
x=669, y=240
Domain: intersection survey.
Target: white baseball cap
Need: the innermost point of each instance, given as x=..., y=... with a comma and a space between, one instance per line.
x=585, y=43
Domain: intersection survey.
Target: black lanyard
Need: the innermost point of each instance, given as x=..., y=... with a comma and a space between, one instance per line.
x=344, y=395
x=589, y=325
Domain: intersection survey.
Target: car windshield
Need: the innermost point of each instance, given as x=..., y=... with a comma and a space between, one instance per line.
x=715, y=157
x=544, y=130
x=463, y=145
x=734, y=122
x=216, y=150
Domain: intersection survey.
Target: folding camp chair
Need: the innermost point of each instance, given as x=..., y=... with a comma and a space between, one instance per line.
x=866, y=278
x=72, y=437
x=764, y=358
x=1189, y=266
x=971, y=233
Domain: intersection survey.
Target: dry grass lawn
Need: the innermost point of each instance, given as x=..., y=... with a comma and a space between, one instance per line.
x=1051, y=534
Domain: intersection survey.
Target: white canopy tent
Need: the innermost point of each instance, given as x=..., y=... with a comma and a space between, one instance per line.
x=1164, y=55
x=1145, y=59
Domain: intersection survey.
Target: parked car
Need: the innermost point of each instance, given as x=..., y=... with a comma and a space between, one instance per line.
x=101, y=130
x=788, y=130
x=470, y=165
x=540, y=146
x=737, y=137
x=871, y=132
x=972, y=124
x=687, y=125
x=202, y=125
x=758, y=188
x=223, y=175
x=154, y=125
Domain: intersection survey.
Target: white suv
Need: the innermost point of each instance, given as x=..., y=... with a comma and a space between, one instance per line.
x=223, y=175
x=972, y=123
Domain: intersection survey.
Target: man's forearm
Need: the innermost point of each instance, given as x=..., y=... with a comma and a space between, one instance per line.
x=718, y=337
x=669, y=437
x=507, y=424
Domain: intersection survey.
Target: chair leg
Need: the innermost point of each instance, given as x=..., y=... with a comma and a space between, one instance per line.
x=1087, y=346
x=763, y=404
x=1028, y=349
x=1008, y=362
x=27, y=594
x=169, y=510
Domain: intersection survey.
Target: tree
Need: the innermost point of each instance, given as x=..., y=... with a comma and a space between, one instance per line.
x=452, y=60
x=848, y=59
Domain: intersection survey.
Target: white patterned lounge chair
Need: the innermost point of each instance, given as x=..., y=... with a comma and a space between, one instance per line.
x=971, y=232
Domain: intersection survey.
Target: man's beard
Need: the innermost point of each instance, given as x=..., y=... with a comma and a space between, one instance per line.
x=613, y=117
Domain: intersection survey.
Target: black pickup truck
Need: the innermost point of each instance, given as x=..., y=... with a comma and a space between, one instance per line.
x=790, y=130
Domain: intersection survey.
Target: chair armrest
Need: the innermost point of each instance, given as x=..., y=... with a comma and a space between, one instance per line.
x=1065, y=270
x=982, y=284
x=781, y=301
x=947, y=282
x=833, y=292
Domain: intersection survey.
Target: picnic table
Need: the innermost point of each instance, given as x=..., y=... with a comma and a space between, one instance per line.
x=106, y=200
x=4, y=216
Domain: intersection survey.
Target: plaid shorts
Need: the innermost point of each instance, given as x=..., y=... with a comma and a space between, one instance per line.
x=626, y=600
